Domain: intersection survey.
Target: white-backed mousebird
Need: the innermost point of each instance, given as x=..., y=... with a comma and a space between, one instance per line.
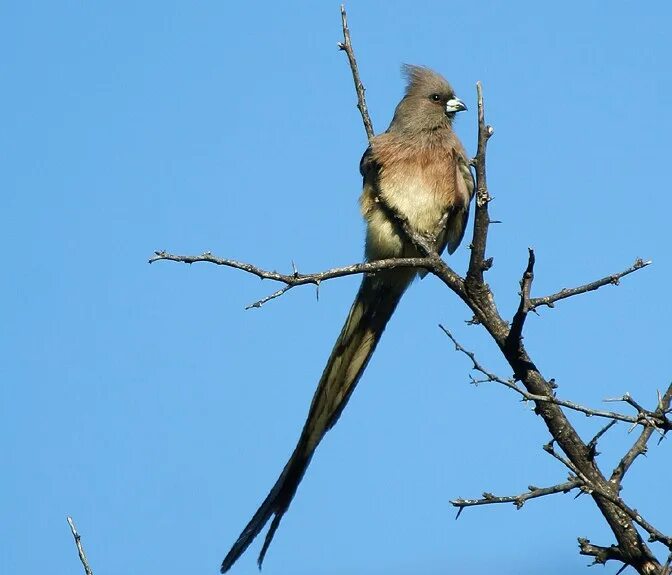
x=420, y=170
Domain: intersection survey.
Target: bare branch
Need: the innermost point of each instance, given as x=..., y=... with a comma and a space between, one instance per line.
x=524, y=305
x=478, y=367
x=654, y=534
x=477, y=262
x=548, y=448
x=518, y=500
x=601, y=554
x=296, y=279
x=613, y=279
x=263, y=300
x=639, y=447
x=592, y=444
x=346, y=46
x=649, y=419
x=606, y=493
x=80, y=549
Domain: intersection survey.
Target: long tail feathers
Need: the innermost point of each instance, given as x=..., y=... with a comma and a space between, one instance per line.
x=376, y=301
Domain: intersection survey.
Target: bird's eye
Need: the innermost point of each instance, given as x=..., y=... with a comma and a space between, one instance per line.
x=435, y=98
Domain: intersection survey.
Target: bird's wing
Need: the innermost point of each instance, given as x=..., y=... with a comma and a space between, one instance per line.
x=464, y=186
x=368, y=166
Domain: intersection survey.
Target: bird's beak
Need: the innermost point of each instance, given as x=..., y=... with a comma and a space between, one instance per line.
x=455, y=105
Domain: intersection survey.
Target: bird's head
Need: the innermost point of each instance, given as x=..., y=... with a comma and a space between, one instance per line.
x=429, y=103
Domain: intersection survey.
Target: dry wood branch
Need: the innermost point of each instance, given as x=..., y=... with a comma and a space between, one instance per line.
x=606, y=492
x=346, y=46
x=601, y=554
x=297, y=279
x=80, y=549
x=477, y=262
x=654, y=534
x=613, y=279
x=524, y=305
x=640, y=445
x=520, y=499
x=592, y=444
x=489, y=376
x=481, y=301
x=548, y=448
x=650, y=419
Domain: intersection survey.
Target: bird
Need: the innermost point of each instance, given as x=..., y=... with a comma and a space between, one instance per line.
x=417, y=170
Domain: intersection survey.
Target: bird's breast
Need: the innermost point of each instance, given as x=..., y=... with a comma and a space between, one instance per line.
x=421, y=192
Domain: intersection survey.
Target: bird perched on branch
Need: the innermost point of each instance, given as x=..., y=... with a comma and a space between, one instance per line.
x=418, y=171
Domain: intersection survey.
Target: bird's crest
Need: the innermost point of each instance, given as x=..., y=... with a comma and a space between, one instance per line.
x=422, y=79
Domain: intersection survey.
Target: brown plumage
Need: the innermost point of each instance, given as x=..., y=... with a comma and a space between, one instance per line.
x=419, y=168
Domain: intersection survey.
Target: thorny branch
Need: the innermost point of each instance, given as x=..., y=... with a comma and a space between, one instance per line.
x=477, y=261
x=520, y=499
x=295, y=279
x=601, y=554
x=649, y=419
x=528, y=381
x=639, y=447
x=612, y=279
x=592, y=444
x=525, y=289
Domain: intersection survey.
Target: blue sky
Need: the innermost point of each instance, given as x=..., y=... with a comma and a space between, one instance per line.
x=148, y=404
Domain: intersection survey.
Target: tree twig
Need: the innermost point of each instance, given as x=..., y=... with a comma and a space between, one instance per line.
x=477, y=262
x=346, y=46
x=639, y=447
x=592, y=444
x=524, y=305
x=600, y=554
x=520, y=499
x=612, y=279
x=651, y=419
x=296, y=279
x=80, y=549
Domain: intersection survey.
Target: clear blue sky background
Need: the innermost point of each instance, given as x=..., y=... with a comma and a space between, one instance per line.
x=148, y=404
